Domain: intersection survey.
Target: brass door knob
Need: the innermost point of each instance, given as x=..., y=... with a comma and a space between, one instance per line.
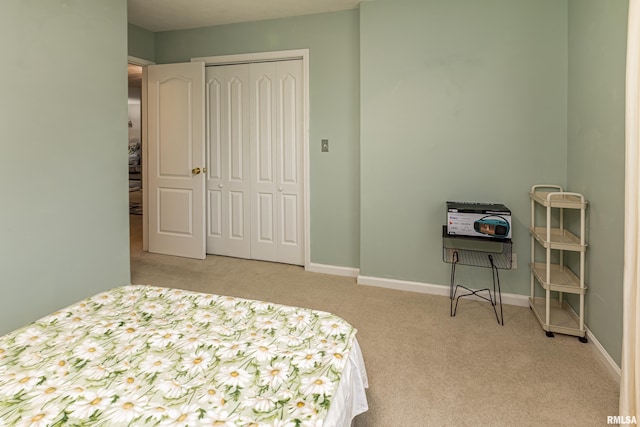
x=195, y=171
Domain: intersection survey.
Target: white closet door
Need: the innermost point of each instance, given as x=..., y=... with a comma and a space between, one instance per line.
x=277, y=215
x=228, y=154
x=254, y=161
x=176, y=158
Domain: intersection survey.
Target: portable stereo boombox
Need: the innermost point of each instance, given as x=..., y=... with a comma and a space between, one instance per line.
x=478, y=219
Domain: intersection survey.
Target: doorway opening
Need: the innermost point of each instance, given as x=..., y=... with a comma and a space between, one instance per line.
x=135, y=155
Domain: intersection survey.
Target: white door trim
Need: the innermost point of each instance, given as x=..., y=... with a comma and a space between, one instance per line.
x=280, y=56
x=138, y=61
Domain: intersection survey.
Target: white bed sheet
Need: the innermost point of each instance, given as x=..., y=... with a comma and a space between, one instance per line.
x=350, y=398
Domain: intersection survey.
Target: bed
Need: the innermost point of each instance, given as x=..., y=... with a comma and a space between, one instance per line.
x=145, y=355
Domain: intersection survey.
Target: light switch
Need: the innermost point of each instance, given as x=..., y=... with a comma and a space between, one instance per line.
x=325, y=145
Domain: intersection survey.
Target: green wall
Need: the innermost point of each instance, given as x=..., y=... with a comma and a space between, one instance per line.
x=460, y=100
x=596, y=148
x=64, y=230
x=429, y=101
x=141, y=43
x=332, y=40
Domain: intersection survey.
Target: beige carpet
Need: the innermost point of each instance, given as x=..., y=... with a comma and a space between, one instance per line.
x=425, y=368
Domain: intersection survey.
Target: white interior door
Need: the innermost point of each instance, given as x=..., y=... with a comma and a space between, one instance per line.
x=276, y=162
x=228, y=153
x=175, y=159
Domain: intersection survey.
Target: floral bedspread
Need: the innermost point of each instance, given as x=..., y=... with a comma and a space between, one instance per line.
x=143, y=355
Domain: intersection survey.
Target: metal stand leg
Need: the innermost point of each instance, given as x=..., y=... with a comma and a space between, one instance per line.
x=497, y=295
x=452, y=286
x=494, y=299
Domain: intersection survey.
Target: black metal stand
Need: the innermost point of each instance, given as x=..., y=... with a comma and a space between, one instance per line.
x=493, y=253
x=495, y=299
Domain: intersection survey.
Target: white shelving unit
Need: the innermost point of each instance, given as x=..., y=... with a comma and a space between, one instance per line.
x=555, y=315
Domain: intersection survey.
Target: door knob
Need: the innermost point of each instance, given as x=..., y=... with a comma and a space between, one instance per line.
x=195, y=171
x=280, y=188
x=219, y=185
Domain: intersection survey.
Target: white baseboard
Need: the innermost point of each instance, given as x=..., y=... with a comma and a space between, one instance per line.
x=404, y=285
x=333, y=269
x=608, y=361
x=427, y=288
x=611, y=365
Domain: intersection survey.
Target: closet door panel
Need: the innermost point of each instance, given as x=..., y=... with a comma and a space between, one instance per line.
x=263, y=152
x=216, y=243
x=214, y=207
x=289, y=135
x=228, y=180
x=263, y=137
x=214, y=128
x=265, y=218
x=289, y=220
x=236, y=105
x=289, y=161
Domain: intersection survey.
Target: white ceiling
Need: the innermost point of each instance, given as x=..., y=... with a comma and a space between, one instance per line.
x=166, y=15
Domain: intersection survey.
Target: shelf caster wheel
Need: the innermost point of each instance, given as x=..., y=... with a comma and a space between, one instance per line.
x=549, y=334
x=583, y=339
